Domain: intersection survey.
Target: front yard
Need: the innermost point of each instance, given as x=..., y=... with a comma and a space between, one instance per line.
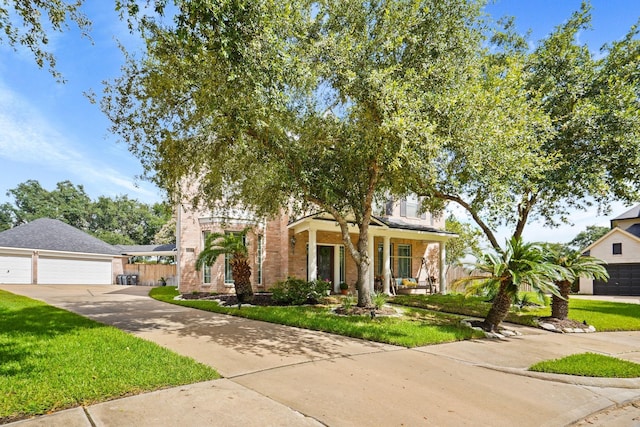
x=603, y=315
x=52, y=359
x=416, y=327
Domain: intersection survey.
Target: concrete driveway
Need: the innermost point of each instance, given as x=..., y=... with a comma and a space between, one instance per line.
x=338, y=381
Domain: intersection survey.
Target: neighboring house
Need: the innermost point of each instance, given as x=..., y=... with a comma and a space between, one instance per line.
x=620, y=248
x=48, y=251
x=403, y=244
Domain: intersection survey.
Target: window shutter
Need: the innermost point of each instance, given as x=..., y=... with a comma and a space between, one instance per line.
x=403, y=207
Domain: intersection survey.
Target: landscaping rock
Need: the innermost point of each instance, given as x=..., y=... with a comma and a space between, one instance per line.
x=547, y=326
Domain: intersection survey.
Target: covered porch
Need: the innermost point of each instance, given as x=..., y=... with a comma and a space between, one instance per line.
x=399, y=250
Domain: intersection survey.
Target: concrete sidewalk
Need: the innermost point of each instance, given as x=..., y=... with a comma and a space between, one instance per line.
x=277, y=375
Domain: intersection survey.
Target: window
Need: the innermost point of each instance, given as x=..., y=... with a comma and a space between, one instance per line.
x=206, y=270
x=380, y=260
x=404, y=261
x=259, y=259
x=617, y=248
x=410, y=206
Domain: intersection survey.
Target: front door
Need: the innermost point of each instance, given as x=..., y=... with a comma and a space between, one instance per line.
x=325, y=263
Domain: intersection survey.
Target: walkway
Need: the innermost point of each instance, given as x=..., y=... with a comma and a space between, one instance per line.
x=277, y=375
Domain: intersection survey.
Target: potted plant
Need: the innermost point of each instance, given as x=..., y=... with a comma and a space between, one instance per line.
x=344, y=288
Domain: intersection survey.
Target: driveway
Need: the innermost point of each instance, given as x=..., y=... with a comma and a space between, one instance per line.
x=340, y=381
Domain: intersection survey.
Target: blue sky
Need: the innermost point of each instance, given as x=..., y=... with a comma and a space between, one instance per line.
x=51, y=132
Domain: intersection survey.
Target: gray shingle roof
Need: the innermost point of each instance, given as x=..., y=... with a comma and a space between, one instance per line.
x=634, y=212
x=54, y=235
x=397, y=224
x=634, y=229
x=146, y=248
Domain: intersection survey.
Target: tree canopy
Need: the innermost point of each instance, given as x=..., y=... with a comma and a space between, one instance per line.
x=539, y=132
x=588, y=236
x=468, y=241
x=118, y=220
x=28, y=23
x=319, y=105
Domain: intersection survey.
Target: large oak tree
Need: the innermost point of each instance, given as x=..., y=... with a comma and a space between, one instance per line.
x=308, y=104
x=577, y=145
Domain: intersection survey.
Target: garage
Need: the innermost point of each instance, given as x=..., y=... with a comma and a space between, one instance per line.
x=15, y=269
x=624, y=279
x=61, y=271
x=50, y=252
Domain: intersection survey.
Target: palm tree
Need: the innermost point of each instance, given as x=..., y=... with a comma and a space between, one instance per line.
x=233, y=244
x=575, y=265
x=519, y=264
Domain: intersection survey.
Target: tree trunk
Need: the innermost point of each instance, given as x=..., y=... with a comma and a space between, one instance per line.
x=499, y=309
x=559, y=306
x=241, y=272
x=364, y=291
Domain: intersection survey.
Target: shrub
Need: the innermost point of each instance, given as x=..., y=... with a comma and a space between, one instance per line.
x=379, y=299
x=297, y=291
x=348, y=302
x=319, y=289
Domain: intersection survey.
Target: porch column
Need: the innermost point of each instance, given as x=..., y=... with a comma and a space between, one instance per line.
x=442, y=265
x=336, y=268
x=372, y=270
x=386, y=268
x=312, y=263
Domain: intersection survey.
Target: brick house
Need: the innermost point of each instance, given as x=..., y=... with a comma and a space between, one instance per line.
x=405, y=244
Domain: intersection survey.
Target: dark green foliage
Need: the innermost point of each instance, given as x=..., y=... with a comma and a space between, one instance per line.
x=297, y=291
x=505, y=272
x=574, y=265
x=118, y=220
x=588, y=236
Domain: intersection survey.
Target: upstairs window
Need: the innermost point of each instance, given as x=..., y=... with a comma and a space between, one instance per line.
x=617, y=248
x=410, y=206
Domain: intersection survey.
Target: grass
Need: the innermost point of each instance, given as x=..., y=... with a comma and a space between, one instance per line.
x=467, y=306
x=589, y=365
x=603, y=315
x=416, y=328
x=52, y=359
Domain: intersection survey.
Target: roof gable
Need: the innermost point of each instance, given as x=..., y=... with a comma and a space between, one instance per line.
x=616, y=230
x=54, y=235
x=632, y=213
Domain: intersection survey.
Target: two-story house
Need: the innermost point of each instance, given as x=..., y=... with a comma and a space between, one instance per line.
x=404, y=244
x=620, y=248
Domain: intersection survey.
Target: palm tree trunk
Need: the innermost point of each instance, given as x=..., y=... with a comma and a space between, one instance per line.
x=559, y=306
x=241, y=272
x=499, y=309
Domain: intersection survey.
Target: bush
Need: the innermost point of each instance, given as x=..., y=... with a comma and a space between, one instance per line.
x=379, y=299
x=297, y=291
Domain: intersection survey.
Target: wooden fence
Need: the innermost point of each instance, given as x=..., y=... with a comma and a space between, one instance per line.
x=150, y=274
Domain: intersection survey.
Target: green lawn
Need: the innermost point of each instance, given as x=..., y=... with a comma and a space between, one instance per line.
x=603, y=315
x=417, y=327
x=51, y=359
x=589, y=365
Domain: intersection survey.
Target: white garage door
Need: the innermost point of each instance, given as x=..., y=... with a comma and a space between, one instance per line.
x=15, y=269
x=64, y=271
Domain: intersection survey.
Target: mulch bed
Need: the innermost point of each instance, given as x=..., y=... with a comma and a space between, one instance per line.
x=562, y=324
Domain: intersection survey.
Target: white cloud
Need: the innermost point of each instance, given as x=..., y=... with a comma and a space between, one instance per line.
x=29, y=138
